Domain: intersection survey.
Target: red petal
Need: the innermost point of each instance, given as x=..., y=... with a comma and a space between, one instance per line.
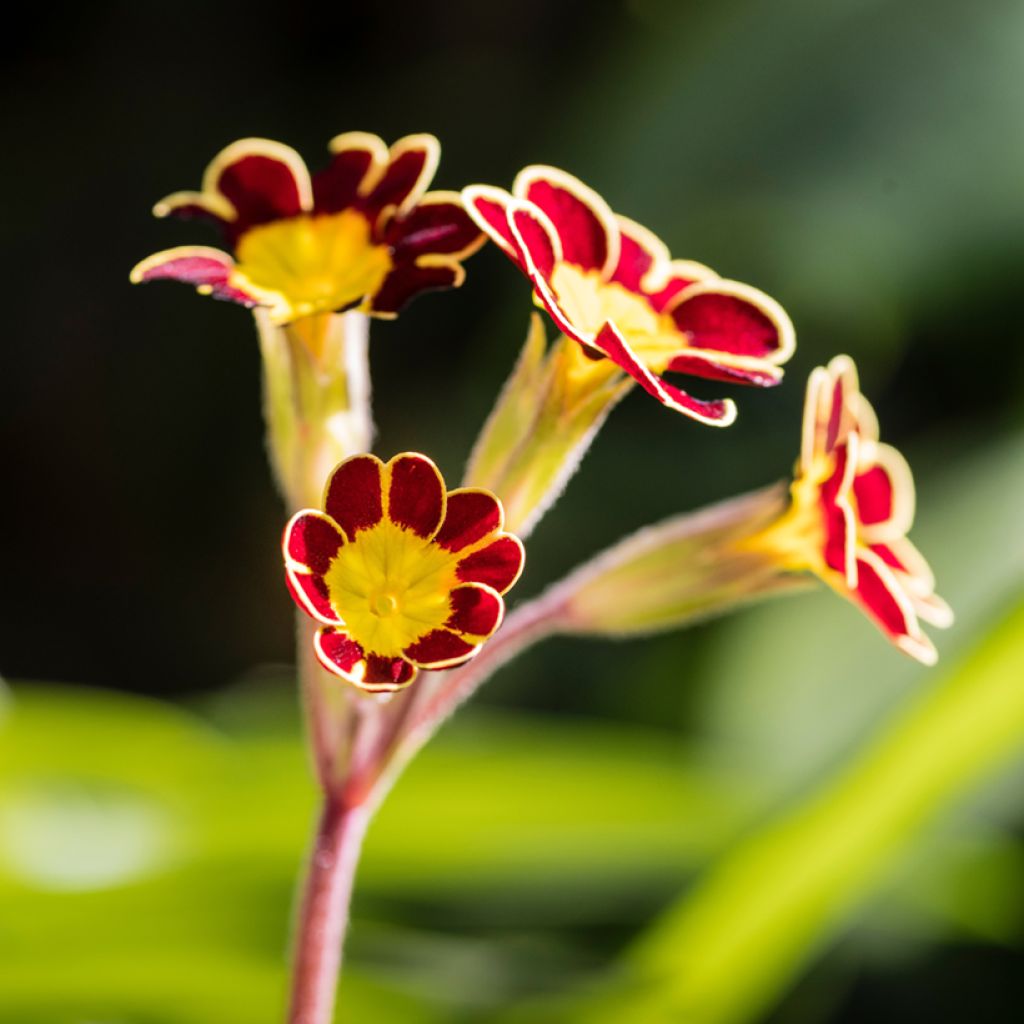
x=683, y=274
x=498, y=564
x=413, y=161
x=585, y=226
x=309, y=592
x=840, y=527
x=489, y=206
x=263, y=180
x=725, y=316
x=536, y=236
x=208, y=270
x=470, y=516
x=880, y=596
x=312, y=540
x=387, y=674
x=353, y=497
x=440, y=649
x=358, y=158
x=476, y=610
x=407, y=280
x=612, y=344
x=707, y=367
x=874, y=493
x=339, y=653
x=439, y=223
x=416, y=496
x=640, y=252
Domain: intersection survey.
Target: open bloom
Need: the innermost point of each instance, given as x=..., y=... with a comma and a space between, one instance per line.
x=401, y=574
x=612, y=286
x=363, y=232
x=852, y=506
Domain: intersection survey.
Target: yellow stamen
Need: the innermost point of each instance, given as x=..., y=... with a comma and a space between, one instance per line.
x=390, y=587
x=590, y=303
x=308, y=264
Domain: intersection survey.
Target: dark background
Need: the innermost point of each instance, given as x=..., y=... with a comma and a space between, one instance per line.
x=861, y=162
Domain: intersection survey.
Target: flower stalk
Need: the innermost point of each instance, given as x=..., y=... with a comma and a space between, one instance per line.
x=316, y=398
x=545, y=419
x=324, y=910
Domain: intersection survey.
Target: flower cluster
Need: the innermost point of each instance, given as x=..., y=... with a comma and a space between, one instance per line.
x=361, y=233
x=401, y=573
x=611, y=285
x=851, y=509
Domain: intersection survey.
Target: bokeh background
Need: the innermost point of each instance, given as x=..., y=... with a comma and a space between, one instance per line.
x=697, y=826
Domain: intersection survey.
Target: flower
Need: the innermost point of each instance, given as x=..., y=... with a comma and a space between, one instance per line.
x=611, y=285
x=363, y=232
x=401, y=574
x=852, y=504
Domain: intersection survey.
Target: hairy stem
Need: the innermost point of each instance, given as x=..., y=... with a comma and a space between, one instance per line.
x=324, y=911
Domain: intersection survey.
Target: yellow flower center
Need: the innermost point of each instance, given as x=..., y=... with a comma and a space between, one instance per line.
x=590, y=302
x=308, y=264
x=391, y=587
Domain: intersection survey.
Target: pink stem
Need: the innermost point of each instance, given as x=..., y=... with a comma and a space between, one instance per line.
x=324, y=913
x=539, y=618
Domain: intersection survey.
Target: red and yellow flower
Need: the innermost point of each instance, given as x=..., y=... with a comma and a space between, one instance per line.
x=400, y=573
x=362, y=233
x=851, y=509
x=612, y=286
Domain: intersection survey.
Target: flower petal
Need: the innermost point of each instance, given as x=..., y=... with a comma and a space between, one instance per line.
x=208, y=270
x=311, y=540
x=489, y=206
x=263, y=180
x=353, y=497
x=585, y=225
x=735, y=319
x=309, y=592
x=196, y=206
x=439, y=223
x=536, y=237
x=882, y=598
x=497, y=564
x=477, y=610
x=470, y=516
x=416, y=495
x=339, y=653
x=440, y=649
x=411, y=167
x=357, y=162
x=386, y=674
x=840, y=541
x=676, y=277
x=884, y=492
x=345, y=657
x=407, y=280
x=710, y=368
x=718, y=413
x=641, y=255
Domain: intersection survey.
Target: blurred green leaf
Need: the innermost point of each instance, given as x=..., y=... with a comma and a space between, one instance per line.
x=726, y=950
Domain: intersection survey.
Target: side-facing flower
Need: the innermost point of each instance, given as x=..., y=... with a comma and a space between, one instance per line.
x=362, y=233
x=612, y=286
x=852, y=505
x=401, y=574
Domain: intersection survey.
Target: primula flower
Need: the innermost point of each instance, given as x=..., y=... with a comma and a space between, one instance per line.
x=852, y=506
x=363, y=232
x=612, y=286
x=401, y=574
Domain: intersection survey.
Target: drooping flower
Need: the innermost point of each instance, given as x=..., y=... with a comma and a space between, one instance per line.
x=361, y=233
x=401, y=574
x=612, y=286
x=852, y=505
